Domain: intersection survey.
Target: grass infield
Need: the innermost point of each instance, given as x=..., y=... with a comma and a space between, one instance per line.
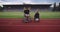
x=21, y=14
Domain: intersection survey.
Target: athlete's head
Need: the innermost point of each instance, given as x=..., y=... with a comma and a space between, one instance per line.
x=27, y=8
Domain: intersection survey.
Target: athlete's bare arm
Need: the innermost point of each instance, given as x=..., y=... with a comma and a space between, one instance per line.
x=24, y=8
x=29, y=8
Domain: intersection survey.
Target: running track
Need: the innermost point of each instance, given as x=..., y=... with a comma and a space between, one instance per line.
x=17, y=25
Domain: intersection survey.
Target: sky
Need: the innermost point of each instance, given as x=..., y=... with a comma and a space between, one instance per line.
x=31, y=1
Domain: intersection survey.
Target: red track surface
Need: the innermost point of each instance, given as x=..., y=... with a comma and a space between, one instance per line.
x=16, y=25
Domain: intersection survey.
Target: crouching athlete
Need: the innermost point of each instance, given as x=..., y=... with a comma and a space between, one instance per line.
x=26, y=14
x=36, y=16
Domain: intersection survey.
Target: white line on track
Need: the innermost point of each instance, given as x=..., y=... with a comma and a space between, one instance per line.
x=29, y=25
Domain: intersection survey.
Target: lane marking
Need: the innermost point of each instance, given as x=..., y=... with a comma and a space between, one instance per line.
x=29, y=25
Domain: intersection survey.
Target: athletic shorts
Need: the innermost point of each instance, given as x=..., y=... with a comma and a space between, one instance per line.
x=36, y=19
x=26, y=14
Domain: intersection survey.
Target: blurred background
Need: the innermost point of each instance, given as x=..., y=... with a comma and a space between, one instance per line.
x=47, y=8
x=18, y=5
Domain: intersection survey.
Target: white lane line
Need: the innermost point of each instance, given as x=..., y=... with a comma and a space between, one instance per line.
x=29, y=25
